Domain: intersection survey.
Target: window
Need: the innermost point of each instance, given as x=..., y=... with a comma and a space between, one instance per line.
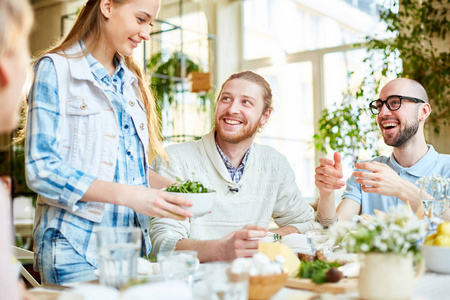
x=304, y=49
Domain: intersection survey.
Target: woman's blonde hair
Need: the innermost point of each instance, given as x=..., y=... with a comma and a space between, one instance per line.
x=16, y=18
x=90, y=21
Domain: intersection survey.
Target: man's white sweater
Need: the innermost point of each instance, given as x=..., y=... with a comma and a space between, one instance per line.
x=267, y=189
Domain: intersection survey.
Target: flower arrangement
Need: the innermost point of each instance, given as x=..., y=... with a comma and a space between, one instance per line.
x=398, y=232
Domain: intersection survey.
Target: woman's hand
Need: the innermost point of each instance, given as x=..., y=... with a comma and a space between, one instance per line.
x=141, y=199
x=156, y=203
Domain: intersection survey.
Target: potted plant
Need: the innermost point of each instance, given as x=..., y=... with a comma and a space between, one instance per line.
x=388, y=245
x=169, y=76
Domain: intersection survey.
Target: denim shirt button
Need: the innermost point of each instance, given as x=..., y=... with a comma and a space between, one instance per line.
x=142, y=126
x=131, y=103
x=83, y=106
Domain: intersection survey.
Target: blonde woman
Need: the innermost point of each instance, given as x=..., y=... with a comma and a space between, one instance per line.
x=92, y=132
x=16, y=18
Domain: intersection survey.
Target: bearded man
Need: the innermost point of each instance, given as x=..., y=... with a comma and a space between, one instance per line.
x=253, y=182
x=384, y=182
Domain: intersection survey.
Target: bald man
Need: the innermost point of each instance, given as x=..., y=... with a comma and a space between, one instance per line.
x=384, y=181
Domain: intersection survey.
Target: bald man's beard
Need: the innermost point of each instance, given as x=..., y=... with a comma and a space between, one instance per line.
x=404, y=135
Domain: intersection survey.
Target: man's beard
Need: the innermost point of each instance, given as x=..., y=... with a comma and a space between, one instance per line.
x=234, y=138
x=404, y=135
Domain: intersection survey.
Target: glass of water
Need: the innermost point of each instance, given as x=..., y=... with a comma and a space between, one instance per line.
x=224, y=282
x=434, y=196
x=320, y=240
x=118, y=249
x=179, y=265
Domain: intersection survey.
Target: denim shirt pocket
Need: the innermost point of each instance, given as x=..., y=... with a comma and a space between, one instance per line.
x=84, y=121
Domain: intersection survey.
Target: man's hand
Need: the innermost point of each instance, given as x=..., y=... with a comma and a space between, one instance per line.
x=243, y=242
x=329, y=174
x=381, y=180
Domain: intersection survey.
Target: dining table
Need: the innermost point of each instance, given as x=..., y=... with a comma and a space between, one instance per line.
x=429, y=286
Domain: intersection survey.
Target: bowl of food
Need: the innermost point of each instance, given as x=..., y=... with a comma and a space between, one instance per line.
x=261, y=287
x=203, y=198
x=436, y=250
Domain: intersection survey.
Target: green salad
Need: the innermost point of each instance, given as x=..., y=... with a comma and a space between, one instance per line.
x=319, y=271
x=188, y=186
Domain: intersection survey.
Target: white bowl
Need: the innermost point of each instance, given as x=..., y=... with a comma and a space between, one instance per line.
x=437, y=259
x=203, y=202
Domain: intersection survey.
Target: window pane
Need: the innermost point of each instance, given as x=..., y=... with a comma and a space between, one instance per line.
x=289, y=26
x=290, y=128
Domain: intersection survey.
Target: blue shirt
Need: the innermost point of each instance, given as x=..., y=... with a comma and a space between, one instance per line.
x=430, y=164
x=42, y=140
x=235, y=174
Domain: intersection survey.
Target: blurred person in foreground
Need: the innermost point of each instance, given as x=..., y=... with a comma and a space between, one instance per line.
x=253, y=182
x=16, y=18
x=92, y=129
x=384, y=182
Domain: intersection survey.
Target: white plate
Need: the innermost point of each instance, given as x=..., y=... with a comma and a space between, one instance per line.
x=145, y=269
x=151, y=271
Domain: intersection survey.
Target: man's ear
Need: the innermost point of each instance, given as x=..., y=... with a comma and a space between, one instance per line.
x=424, y=111
x=265, y=116
x=106, y=8
x=4, y=76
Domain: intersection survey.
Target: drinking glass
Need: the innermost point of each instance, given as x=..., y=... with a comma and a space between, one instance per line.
x=434, y=197
x=225, y=282
x=118, y=249
x=178, y=265
x=320, y=240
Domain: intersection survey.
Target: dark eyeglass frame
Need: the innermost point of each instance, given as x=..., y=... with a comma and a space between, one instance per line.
x=376, y=111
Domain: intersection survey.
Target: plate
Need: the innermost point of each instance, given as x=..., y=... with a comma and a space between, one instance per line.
x=151, y=271
x=145, y=269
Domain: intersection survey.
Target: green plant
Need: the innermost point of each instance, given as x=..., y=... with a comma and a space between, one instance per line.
x=346, y=129
x=418, y=28
x=166, y=77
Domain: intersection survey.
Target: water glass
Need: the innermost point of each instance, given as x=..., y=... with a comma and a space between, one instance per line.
x=224, y=283
x=178, y=265
x=118, y=249
x=320, y=240
x=434, y=197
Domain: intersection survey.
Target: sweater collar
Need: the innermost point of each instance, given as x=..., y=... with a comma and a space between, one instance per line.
x=209, y=142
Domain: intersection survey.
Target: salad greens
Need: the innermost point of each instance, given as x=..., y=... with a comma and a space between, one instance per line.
x=188, y=186
x=316, y=270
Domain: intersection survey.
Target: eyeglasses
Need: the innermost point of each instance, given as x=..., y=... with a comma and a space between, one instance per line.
x=393, y=102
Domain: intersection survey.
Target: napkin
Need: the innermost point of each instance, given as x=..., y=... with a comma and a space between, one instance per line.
x=88, y=291
x=166, y=290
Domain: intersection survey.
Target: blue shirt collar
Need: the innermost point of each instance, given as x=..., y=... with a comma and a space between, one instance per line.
x=227, y=162
x=99, y=71
x=418, y=167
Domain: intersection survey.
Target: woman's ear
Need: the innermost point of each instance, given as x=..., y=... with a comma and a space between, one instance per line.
x=106, y=8
x=4, y=75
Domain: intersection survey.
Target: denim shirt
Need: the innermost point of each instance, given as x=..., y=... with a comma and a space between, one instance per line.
x=83, y=142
